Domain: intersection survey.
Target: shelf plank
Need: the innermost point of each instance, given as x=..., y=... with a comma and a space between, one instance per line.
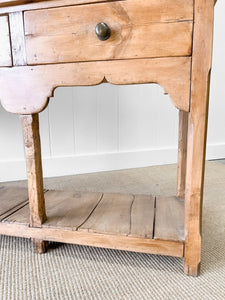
x=67, y=210
x=142, y=216
x=114, y=221
x=20, y=216
x=116, y=214
x=169, y=219
x=112, y=215
x=11, y=199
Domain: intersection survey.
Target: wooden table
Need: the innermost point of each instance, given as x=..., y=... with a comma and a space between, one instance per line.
x=46, y=44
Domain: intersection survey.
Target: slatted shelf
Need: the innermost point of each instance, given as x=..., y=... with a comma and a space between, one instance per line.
x=142, y=223
x=11, y=199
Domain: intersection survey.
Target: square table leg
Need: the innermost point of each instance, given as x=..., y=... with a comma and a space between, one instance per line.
x=30, y=124
x=197, y=131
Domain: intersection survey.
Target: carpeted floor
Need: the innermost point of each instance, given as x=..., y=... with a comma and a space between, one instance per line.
x=77, y=272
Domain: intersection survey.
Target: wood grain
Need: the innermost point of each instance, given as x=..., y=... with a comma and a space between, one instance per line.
x=5, y=53
x=30, y=124
x=21, y=216
x=69, y=209
x=197, y=131
x=112, y=215
x=179, y=8
x=169, y=219
x=132, y=11
x=136, y=244
x=11, y=198
x=17, y=39
x=173, y=74
x=142, y=216
x=182, y=153
x=138, y=30
x=116, y=216
x=19, y=5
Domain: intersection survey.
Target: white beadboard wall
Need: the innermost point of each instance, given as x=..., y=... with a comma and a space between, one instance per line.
x=106, y=127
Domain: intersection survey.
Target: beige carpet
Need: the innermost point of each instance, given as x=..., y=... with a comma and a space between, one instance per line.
x=77, y=272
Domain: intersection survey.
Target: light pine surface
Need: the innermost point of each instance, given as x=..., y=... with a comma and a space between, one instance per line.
x=172, y=73
x=69, y=210
x=197, y=132
x=11, y=198
x=120, y=221
x=103, y=219
x=169, y=218
x=138, y=30
x=112, y=215
x=30, y=125
x=17, y=5
x=142, y=216
x=37, y=214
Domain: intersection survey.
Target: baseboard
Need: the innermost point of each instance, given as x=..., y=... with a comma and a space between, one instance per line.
x=68, y=165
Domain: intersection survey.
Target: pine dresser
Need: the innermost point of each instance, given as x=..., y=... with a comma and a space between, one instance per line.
x=47, y=44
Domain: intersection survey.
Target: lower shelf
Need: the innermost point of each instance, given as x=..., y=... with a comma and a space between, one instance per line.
x=141, y=223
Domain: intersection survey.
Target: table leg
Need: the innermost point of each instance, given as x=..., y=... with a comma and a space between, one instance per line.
x=30, y=124
x=182, y=154
x=197, y=127
x=197, y=130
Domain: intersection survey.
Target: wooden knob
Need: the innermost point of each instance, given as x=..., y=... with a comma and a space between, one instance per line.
x=103, y=31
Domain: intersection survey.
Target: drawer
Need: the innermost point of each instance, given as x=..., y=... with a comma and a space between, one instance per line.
x=139, y=29
x=5, y=53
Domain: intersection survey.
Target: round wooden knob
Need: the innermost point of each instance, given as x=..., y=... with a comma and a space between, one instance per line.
x=103, y=31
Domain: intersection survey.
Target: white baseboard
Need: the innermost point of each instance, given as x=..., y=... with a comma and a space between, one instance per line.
x=68, y=165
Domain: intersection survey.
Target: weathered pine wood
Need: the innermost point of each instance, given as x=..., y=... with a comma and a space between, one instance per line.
x=173, y=74
x=178, y=9
x=197, y=130
x=111, y=241
x=21, y=213
x=40, y=246
x=12, y=211
x=112, y=215
x=5, y=53
x=125, y=215
x=30, y=124
x=142, y=216
x=143, y=32
x=17, y=38
x=34, y=4
x=21, y=216
x=69, y=209
x=60, y=35
x=10, y=199
x=169, y=219
x=182, y=153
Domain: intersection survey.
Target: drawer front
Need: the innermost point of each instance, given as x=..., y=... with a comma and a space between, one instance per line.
x=139, y=29
x=5, y=48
